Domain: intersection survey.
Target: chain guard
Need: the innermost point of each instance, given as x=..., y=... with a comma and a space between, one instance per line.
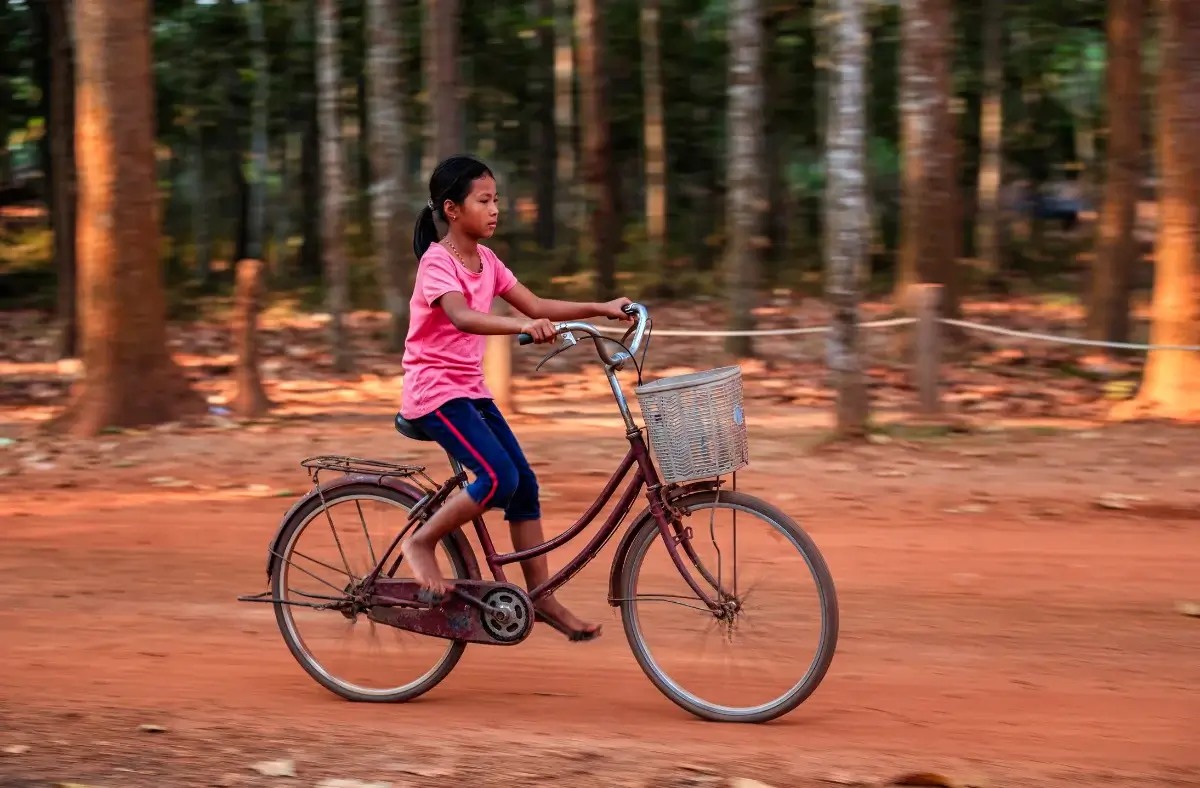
x=454, y=618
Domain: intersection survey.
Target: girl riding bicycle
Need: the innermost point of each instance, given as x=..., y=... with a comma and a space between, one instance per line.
x=444, y=392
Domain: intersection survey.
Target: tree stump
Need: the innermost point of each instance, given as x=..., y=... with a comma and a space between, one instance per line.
x=250, y=400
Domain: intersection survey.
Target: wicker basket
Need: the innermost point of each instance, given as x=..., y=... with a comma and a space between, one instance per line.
x=696, y=423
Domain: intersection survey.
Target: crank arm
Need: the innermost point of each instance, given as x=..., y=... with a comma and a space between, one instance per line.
x=479, y=604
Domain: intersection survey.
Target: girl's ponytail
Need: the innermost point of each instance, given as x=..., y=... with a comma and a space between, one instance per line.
x=451, y=180
x=425, y=233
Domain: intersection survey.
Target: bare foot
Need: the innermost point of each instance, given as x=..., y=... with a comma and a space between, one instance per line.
x=424, y=565
x=554, y=609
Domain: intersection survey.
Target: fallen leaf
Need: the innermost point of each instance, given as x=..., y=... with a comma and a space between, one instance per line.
x=150, y=727
x=284, y=768
x=428, y=772
x=1190, y=609
x=343, y=783
x=891, y=474
x=1112, y=500
x=167, y=481
x=16, y=749
x=928, y=779
x=746, y=782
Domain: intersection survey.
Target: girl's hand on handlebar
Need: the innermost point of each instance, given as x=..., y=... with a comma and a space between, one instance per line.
x=615, y=310
x=541, y=330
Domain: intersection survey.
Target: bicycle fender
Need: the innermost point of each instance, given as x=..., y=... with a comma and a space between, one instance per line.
x=392, y=482
x=626, y=543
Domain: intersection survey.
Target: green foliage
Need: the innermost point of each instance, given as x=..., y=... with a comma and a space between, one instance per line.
x=205, y=77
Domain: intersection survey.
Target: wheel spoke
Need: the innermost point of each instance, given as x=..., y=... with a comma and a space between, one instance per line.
x=708, y=677
x=341, y=647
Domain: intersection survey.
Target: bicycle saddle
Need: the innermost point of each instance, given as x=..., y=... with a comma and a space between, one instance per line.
x=410, y=430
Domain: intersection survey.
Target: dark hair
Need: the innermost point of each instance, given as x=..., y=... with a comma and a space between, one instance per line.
x=451, y=180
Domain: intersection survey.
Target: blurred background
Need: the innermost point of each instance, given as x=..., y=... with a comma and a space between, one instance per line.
x=676, y=151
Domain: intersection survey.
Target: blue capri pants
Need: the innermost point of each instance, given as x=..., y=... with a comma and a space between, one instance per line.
x=474, y=432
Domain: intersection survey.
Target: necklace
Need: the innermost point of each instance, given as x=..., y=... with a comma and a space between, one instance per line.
x=450, y=245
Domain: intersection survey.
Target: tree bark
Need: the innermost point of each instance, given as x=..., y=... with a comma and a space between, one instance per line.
x=1116, y=245
x=259, y=141
x=545, y=133
x=250, y=400
x=1171, y=380
x=443, y=79
x=988, y=228
x=745, y=201
x=63, y=193
x=930, y=187
x=129, y=378
x=389, y=181
x=333, y=182
x=847, y=218
x=654, y=134
x=599, y=173
x=564, y=122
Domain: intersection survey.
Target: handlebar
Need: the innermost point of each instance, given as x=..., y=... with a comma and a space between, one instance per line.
x=618, y=360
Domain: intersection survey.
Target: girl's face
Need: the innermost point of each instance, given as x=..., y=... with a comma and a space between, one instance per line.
x=477, y=215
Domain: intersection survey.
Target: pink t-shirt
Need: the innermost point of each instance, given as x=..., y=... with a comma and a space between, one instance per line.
x=442, y=363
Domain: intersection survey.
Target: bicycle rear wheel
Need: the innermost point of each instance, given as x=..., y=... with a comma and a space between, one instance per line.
x=656, y=600
x=328, y=548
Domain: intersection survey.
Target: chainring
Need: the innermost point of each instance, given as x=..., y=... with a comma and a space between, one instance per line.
x=519, y=620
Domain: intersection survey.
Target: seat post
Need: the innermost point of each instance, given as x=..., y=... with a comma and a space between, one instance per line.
x=455, y=465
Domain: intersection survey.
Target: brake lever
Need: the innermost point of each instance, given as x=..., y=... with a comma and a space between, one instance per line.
x=567, y=341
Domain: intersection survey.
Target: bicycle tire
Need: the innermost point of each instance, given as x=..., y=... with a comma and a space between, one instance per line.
x=308, y=662
x=648, y=531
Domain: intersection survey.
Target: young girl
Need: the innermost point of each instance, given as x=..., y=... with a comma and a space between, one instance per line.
x=444, y=392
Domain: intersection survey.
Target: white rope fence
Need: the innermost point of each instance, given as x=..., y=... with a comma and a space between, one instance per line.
x=928, y=340
x=1034, y=335
x=766, y=332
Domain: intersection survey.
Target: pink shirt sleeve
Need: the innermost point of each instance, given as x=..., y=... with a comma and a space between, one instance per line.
x=438, y=275
x=505, y=279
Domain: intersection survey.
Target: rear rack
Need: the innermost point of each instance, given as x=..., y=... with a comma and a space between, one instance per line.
x=359, y=465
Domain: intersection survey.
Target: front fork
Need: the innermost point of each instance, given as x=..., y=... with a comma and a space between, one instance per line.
x=675, y=534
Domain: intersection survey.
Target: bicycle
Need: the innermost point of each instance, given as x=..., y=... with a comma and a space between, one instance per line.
x=697, y=429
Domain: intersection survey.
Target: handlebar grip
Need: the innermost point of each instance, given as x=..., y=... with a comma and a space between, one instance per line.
x=524, y=339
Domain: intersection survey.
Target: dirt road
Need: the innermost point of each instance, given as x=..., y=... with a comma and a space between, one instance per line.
x=997, y=625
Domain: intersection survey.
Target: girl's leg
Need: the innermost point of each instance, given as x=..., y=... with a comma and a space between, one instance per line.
x=525, y=520
x=458, y=427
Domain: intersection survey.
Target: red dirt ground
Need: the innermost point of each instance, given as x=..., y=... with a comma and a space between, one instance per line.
x=998, y=626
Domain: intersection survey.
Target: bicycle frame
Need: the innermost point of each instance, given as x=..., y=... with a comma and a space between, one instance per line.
x=645, y=476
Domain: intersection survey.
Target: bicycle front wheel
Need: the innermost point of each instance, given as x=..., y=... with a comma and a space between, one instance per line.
x=744, y=663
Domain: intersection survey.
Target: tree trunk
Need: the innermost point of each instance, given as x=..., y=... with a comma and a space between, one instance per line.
x=744, y=202
x=930, y=186
x=6, y=98
x=250, y=400
x=847, y=218
x=333, y=182
x=599, y=173
x=564, y=122
x=63, y=176
x=988, y=229
x=130, y=378
x=442, y=80
x=1171, y=381
x=1116, y=245
x=389, y=186
x=545, y=136
x=259, y=141
x=654, y=134
x=311, y=208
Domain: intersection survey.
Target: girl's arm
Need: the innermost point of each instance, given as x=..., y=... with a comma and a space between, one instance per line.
x=471, y=321
x=524, y=301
